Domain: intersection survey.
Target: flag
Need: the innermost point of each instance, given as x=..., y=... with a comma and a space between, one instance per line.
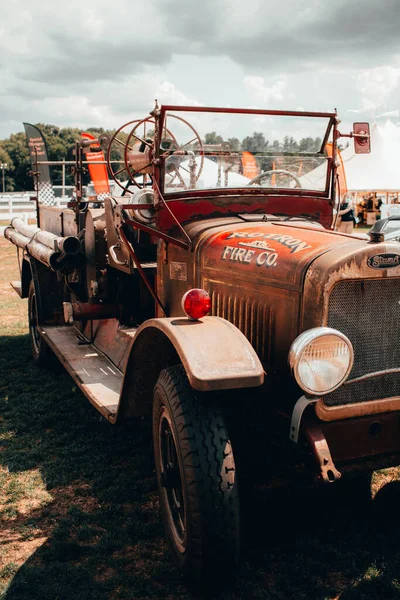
x=250, y=167
x=98, y=173
x=37, y=147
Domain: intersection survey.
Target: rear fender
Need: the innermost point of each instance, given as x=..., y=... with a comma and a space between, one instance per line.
x=214, y=353
x=48, y=291
x=26, y=276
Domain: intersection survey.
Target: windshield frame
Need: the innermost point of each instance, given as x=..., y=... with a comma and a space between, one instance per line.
x=251, y=191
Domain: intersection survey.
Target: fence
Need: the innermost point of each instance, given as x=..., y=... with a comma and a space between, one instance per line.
x=20, y=205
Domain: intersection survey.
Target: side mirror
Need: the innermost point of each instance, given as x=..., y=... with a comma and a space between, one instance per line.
x=362, y=139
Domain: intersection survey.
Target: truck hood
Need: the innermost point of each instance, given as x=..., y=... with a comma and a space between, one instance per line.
x=272, y=252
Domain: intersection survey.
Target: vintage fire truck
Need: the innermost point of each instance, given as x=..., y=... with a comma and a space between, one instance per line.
x=215, y=295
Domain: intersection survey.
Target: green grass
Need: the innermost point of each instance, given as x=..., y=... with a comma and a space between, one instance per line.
x=80, y=517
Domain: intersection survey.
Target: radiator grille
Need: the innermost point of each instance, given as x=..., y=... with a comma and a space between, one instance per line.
x=253, y=317
x=368, y=312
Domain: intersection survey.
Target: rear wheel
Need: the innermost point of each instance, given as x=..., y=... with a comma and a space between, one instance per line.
x=40, y=350
x=197, y=480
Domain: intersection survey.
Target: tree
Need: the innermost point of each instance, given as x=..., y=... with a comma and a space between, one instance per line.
x=5, y=158
x=234, y=144
x=213, y=138
x=255, y=143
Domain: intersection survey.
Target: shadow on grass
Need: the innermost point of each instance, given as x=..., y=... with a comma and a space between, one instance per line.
x=99, y=535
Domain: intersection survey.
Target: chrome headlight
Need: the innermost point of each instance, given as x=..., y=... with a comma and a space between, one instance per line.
x=321, y=359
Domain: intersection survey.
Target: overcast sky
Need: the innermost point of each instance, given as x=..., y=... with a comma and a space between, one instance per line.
x=102, y=63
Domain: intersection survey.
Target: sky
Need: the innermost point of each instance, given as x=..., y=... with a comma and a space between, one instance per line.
x=84, y=64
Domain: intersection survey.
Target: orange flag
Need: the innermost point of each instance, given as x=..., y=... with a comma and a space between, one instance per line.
x=98, y=173
x=250, y=167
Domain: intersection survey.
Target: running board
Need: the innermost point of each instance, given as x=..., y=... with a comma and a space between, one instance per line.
x=97, y=377
x=16, y=285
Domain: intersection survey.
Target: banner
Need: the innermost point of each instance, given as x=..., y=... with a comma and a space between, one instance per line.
x=250, y=167
x=98, y=173
x=37, y=146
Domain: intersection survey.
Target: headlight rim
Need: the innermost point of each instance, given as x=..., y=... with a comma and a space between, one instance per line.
x=302, y=342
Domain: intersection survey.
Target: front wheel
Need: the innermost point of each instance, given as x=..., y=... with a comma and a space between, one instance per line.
x=197, y=480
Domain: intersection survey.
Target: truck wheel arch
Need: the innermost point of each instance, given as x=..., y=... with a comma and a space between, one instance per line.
x=26, y=276
x=213, y=352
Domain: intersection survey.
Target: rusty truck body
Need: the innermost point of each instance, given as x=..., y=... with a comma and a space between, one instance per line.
x=216, y=296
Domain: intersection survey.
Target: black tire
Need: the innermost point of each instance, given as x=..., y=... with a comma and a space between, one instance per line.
x=357, y=487
x=40, y=351
x=197, y=481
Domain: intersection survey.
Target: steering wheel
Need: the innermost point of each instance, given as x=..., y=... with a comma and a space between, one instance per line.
x=258, y=178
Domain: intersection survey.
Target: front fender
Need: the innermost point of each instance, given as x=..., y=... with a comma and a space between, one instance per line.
x=214, y=353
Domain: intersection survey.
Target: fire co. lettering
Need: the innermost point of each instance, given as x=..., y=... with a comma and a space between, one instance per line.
x=294, y=244
x=264, y=259
x=267, y=259
x=237, y=254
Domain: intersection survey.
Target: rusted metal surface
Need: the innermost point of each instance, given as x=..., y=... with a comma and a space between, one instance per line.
x=111, y=338
x=80, y=311
x=327, y=472
x=42, y=253
x=266, y=252
x=358, y=409
x=60, y=221
x=97, y=377
x=364, y=436
x=68, y=245
x=215, y=354
x=202, y=204
x=270, y=276
x=141, y=270
x=350, y=261
x=251, y=111
x=95, y=245
x=372, y=386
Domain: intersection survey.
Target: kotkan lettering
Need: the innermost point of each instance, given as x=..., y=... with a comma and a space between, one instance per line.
x=294, y=244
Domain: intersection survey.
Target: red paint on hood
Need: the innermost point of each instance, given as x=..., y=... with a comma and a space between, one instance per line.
x=280, y=253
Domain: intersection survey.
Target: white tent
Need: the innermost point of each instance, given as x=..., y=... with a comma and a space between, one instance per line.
x=209, y=175
x=377, y=171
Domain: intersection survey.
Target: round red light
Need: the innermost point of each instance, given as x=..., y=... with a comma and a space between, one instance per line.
x=196, y=303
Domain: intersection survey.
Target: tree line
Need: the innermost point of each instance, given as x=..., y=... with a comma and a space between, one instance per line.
x=60, y=144
x=258, y=143
x=61, y=141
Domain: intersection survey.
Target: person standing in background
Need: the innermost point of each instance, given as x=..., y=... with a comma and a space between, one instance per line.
x=346, y=214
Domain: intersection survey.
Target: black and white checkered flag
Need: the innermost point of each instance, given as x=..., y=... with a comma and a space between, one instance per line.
x=102, y=196
x=46, y=193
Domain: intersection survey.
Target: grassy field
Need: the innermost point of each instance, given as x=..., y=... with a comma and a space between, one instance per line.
x=80, y=516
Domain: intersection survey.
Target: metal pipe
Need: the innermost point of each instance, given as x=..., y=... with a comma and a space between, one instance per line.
x=72, y=162
x=68, y=245
x=81, y=311
x=42, y=253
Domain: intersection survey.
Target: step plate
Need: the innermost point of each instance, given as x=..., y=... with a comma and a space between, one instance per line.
x=97, y=377
x=16, y=285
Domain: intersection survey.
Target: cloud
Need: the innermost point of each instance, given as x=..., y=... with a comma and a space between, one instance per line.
x=83, y=63
x=264, y=95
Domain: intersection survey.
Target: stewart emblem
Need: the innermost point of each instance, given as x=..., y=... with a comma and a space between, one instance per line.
x=384, y=261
